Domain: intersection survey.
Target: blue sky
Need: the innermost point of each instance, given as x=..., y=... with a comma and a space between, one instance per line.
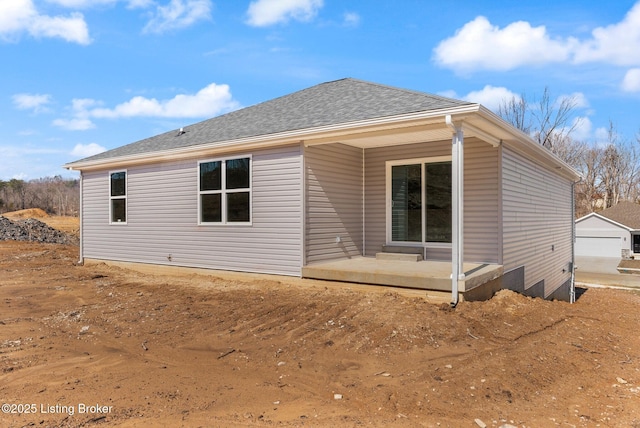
x=82, y=76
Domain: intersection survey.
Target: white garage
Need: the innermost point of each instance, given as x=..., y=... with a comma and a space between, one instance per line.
x=604, y=238
x=599, y=246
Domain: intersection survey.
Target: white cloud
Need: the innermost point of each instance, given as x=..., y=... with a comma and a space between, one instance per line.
x=133, y=4
x=86, y=150
x=20, y=176
x=578, y=98
x=74, y=124
x=617, y=43
x=490, y=96
x=582, y=128
x=18, y=16
x=481, y=45
x=602, y=134
x=210, y=101
x=450, y=93
x=207, y=102
x=263, y=13
x=178, y=14
x=79, y=4
x=351, y=19
x=631, y=81
x=84, y=4
x=478, y=44
x=35, y=102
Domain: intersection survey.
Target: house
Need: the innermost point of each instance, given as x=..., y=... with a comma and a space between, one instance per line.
x=608, y=235
x=346, y=180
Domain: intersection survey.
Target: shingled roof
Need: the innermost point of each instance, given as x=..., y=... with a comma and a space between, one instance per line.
x=330, y=103
x=625, y=213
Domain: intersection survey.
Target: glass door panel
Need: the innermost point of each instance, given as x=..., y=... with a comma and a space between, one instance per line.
x=438, y=201
x=406, y=203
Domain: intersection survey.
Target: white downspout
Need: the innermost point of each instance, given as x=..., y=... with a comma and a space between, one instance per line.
x=80, y=232
x=457, y=208
x=572, y=291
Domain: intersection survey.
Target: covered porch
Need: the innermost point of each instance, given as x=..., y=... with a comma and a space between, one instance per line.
x=402, y=186
x=480, y=280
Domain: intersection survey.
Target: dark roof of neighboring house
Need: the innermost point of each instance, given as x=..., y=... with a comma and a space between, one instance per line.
x=331, y=103
x=625, y=213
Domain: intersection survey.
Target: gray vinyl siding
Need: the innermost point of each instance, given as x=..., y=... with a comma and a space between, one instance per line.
x=537, y=222
x=481, y=197
x=333, y=202
x=162, y=218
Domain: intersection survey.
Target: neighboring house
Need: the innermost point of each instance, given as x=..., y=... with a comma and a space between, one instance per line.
x=340, y=171
x=611, y=234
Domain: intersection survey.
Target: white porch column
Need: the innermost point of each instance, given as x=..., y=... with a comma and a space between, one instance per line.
x=457, y=207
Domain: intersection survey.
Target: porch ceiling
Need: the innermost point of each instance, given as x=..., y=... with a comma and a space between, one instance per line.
x=397, y=134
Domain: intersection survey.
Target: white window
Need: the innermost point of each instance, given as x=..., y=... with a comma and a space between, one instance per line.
x=224, y=191
x=118, y=197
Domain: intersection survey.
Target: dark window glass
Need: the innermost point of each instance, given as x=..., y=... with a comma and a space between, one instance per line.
x=118, y=210
x=211, y=208
x=238, y=207
x=406, y=209
x=118, y=187
x=210, y=177
x=238, y=173
x=438, y=201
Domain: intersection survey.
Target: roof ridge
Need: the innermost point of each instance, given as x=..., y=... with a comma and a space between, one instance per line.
x=406, y=90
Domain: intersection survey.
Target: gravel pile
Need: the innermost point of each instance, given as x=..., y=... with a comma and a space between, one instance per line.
x=31, y=230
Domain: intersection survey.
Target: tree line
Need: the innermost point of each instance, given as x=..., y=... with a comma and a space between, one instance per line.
x=54, y=195
x=610, y=168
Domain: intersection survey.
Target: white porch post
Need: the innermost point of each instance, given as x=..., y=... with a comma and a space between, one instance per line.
x=457, y=207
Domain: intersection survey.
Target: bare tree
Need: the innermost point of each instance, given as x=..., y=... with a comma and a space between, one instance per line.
x=550, y=122
x=610, y=171
x=553, y=119
x=54, y=195
x=515, y=110
x=588, y=190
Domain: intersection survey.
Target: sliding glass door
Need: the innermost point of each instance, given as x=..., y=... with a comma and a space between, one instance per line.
x=420, y=201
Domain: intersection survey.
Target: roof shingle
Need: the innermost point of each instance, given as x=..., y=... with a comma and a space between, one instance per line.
x=330, y=103
x=626, y=213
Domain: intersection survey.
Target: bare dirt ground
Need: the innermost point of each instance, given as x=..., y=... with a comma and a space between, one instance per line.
x=85, y=346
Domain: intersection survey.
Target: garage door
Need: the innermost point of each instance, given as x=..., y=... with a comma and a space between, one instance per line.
x=589, y=246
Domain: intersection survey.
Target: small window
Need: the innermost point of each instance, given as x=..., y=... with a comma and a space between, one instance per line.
x=118, y=197
x=225, y=191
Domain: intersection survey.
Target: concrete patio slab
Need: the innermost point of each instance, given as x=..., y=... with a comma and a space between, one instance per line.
x=424, y=275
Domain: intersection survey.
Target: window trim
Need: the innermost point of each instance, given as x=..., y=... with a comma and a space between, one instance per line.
x=388, y=196
x=125, y=197
x=224, y=192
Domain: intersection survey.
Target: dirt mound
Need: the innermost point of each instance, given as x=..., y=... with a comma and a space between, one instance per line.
x=28, y=213
x=33, y=230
